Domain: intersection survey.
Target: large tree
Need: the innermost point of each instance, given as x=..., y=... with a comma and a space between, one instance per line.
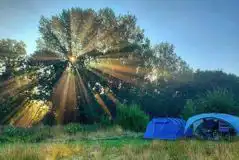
x=98, y=51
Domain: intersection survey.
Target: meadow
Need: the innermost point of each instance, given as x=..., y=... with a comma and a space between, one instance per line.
x=106, y=144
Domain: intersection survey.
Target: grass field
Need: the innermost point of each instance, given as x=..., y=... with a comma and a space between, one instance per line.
x=122, y=148
x=115, y=143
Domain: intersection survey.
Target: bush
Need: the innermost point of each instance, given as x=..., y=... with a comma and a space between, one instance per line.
x=189, y=109
x=131, y=117
x=105, y=121
x=12, y=131
x=73, y=128
x=41, y=134
x=218, y=100
x=90, y=128
x=17, y=134
x=49, y=119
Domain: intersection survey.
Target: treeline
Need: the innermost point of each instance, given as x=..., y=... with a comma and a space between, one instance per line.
x=207, y=91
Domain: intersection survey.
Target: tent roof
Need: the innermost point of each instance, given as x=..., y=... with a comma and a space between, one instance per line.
x=233, y=120
x=176, y=121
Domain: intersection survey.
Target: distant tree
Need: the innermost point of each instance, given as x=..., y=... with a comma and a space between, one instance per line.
x=167, y=65
x=10, y=47
x=11, y=57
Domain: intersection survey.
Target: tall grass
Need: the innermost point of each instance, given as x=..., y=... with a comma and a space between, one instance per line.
x=129, y=149
x=89, y=142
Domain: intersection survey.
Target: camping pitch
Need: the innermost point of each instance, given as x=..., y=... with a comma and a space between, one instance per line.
x=165, y=129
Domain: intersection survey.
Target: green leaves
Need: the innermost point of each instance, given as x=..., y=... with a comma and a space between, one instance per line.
x=189, y=109
x=76, y=31
x=131, y=117
x=73, y=128
x=12, y=48
x=218, y=100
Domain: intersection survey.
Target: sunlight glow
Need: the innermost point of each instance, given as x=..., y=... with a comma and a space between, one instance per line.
x=102, y=104
x=31, y=113
x=82, y=88
x=86, y=45
x=65, y=97
x=13, y=86
x=72, y=59
x=112, y=97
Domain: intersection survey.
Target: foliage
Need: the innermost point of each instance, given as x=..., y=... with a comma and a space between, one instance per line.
x=17, y=134
x=189, y=109
x=131, y=117
x=62, y=33
x=67, y=133
x=218, y=100
x=49, y=119
x=169, y=99
x=13, y=47
x=84, y=35
x=168, y=64
x=12, y=54
x=12, y=131
x=105, y=121
x=72, y=128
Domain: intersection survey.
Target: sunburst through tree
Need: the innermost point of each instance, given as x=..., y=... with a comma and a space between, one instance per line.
x=98, y=44
x=81, y=54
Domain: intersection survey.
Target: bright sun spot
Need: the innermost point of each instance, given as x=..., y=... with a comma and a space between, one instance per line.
x=72, y=59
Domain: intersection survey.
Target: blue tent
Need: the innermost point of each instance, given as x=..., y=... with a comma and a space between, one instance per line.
x=231, y=120
x=165, y=128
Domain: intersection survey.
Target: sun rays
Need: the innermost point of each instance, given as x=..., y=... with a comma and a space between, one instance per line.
x=89, y=43
x=65, y=96
x=71, y=90
x=15, y=85
x=30, y=113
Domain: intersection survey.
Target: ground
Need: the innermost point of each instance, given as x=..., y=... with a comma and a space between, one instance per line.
x=122, y=148
x=112, y=143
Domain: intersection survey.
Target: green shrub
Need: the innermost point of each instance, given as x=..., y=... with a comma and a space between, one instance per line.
x=189, y=109
x=73, y=128
x=5, y=139
x=218, y=100
x=131, y=117
x=49, y=119
x=12, y=131
x=90, y=128
x=41, y=134
x=105, y=121
x=17, y=134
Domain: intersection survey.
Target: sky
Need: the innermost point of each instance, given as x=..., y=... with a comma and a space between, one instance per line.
x=204, y=32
